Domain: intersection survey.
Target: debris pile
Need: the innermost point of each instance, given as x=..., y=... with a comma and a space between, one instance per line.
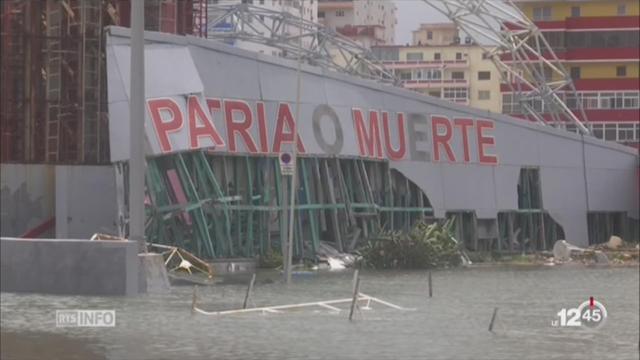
x=182, y=266
x=613, y=252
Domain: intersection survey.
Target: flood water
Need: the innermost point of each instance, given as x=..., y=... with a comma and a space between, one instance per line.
x=451, y=325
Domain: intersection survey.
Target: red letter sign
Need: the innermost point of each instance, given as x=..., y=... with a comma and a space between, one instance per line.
x=208, y=129
x=402, y=148
x=368, y=142
x=464, y=124
x=241, y=128
x=483, y=140
x=441, y=139
x=163, y=128
x=285, y=119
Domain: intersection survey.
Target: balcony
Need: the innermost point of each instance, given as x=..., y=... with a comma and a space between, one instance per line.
x=335, y=5
x=434, y=84
x=375, y=32
x=421, y=64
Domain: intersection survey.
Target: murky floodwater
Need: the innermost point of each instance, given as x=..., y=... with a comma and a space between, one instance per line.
x=451, y=325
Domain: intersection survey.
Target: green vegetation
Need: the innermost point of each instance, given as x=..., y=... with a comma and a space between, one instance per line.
x=270, y=260
x=424, y=246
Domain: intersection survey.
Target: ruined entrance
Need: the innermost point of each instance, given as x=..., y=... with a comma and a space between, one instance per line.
x=219, y=205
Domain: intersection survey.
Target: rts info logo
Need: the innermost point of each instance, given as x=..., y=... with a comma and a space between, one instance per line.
x=85, y=318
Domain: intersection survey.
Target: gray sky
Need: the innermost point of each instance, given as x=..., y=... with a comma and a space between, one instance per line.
x=410, y=14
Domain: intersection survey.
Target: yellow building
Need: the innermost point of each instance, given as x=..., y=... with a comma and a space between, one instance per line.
x=597, y=41
x=441, y=65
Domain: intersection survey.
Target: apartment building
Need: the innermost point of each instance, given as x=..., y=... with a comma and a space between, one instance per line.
x=369, y=22
x=598, y=43
x=440, y=64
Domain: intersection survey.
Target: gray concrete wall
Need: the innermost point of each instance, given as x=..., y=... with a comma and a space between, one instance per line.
x=86, y=201
x=27, y=197
x=78, y=267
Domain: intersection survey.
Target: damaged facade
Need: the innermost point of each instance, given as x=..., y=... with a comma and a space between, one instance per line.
x=370, y=156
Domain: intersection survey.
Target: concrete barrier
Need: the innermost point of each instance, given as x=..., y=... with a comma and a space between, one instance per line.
x=153, y=276
x=71, y=267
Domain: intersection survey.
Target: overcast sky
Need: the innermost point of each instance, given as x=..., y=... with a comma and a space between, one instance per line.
x=410, y=14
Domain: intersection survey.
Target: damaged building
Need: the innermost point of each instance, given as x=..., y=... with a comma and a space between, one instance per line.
x=371, y=156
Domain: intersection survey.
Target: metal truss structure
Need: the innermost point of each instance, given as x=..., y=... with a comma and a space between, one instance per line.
x=286, y=32
x=526, y=61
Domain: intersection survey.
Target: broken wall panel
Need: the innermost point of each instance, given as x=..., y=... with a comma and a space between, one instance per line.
x=232, y=206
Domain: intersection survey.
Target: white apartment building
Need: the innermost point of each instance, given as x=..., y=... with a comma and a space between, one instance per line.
x=369, y=22
x=309, y=12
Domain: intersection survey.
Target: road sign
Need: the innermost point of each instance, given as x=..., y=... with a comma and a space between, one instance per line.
x=286, y=158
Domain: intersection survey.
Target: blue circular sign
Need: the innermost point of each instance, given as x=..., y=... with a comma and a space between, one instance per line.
x=285, y=158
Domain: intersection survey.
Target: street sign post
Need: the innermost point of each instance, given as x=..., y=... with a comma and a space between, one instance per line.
x=287, y=160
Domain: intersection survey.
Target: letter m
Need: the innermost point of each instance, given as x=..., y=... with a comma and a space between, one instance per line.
x=368, y=140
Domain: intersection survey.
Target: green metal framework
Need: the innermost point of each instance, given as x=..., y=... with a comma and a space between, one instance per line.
x=221, y=205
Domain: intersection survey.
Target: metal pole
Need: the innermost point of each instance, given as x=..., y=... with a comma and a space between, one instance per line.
x=194, y=299
x=493, y=318
x=354, y=300
x=292, y=204
x=247, y=296
x=430, y=286
x=136, y=130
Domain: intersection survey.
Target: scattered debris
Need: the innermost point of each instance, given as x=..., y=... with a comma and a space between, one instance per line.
x=99, y=236
x=613, y=252
x=562, y=250
x=614, y=243
x=182, y=265
x=337, y=260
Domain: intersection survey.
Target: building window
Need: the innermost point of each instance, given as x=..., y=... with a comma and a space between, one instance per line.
x=621, y=71
x=457, y=75
x=575, y=11
x=455, y=94
x=261, y=2
x=484, y=75
x=320, y=14
x=625, y=132
x=436, y=56
x=405, y=76
x=414, y=56
x=575, y=72
x=430, y=74
x=542, y=13
x=339, y=12
x=429, y=35
x=602, y=39
x=458, y=56
x=610, y=132
x=622, y=10
x=484, y=95
x=485, y=56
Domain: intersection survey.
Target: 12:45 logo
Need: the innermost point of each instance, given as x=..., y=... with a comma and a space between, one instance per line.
x=591, y=314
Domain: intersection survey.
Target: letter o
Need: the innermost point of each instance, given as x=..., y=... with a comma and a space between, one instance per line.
x=325, y=111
